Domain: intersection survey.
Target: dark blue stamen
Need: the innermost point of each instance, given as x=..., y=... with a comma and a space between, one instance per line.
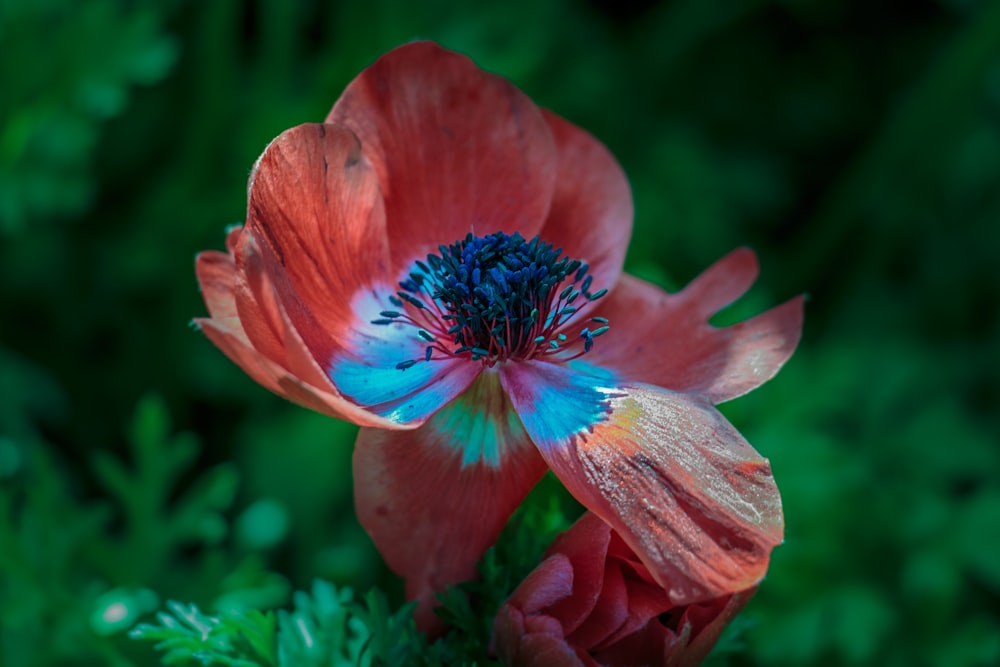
x=495, y=297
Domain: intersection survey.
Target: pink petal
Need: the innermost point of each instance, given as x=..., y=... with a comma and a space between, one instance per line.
x=434, y=499
x=216, y=273
x=610, y=612
x=544, y=650
x=665, y=339
x=548, y=583
x=456, y=149
x=707, y=623
x=591, y=214
x=586, y=545
x=680, y=485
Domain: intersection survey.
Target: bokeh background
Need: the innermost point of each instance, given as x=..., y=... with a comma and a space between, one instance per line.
x=854, y=144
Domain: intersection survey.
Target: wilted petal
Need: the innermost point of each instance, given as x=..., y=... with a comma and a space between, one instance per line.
x=665, y=339
x=680, y=485
x=435, y=498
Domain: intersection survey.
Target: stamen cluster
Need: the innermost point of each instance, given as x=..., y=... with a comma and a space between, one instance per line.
x=493, y=298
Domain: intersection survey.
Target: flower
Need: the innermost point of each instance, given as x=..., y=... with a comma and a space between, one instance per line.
x=440, y=263
x=593, y=602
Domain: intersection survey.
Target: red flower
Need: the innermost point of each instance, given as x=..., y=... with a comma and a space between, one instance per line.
x=593, y=602
x=399, y=269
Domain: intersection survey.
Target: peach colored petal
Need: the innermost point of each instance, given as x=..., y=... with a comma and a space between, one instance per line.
x=666, y=339
x=456, y=149
x=216, y=274
x=229, y=337
x=591, y=214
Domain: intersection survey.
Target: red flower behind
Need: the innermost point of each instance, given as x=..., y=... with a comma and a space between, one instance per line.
x=440, y=262
x=592, y=602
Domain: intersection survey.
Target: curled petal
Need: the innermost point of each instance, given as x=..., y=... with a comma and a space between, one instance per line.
x=672, y=345
x=287, y=368
x=670, y=475
x=315, y=228
x=435, y=498
x=591, y=214
x=456, y=149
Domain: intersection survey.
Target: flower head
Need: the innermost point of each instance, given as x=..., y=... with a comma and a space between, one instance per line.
x=436, y=263
x=593, y=602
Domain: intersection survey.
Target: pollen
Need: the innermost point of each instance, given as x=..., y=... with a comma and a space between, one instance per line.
x=496, y=298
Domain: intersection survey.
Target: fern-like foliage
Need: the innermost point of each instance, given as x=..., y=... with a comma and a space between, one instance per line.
x=331, y=627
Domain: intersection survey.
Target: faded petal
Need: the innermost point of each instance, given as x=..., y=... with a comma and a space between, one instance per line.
x=666, y=339
x=435, y=498
x=680, y=485
x=456, y=149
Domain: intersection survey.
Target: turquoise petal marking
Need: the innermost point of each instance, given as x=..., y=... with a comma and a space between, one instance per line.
x=481, y=423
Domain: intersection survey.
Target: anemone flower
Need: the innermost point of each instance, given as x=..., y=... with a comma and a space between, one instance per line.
x=440, y=262
x=592, y=602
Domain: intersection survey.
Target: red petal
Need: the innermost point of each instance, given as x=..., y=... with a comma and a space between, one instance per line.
x=288, y=370
x=456, y=149
x=434, y=499
x=665, y=339
x=680, y=485
x=316, y=214
x=591, y=214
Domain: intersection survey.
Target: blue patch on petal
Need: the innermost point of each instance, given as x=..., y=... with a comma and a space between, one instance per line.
x=369, y=375
x=559, y=401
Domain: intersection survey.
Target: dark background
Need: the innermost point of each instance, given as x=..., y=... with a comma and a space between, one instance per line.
x=855, y=145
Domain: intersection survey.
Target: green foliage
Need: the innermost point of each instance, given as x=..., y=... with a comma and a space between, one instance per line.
x=331, y=627
x=57, y=98
x=78, y=574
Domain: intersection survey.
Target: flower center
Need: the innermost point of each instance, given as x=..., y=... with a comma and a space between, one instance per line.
x=493, y=298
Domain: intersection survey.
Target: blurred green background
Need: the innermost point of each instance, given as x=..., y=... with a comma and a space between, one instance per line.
x=855, y=145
